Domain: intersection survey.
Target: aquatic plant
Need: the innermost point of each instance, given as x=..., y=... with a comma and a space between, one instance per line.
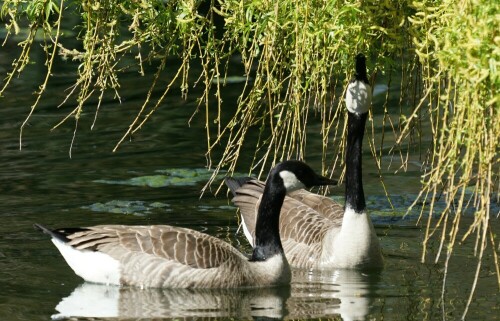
x=296, y=55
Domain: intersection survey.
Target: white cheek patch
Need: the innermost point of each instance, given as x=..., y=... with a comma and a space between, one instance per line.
x=358, y=97
x=291, y=182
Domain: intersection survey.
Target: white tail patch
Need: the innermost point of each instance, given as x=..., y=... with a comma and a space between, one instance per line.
x=92, y=266
x=291, y=182
x=358, y=97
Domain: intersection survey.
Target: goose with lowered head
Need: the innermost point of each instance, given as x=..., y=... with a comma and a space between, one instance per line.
x=175, y=257
x=317, y=232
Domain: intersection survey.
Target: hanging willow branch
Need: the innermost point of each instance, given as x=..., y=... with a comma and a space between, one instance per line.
x=459, y=54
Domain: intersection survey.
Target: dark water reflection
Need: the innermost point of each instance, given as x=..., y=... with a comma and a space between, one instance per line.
x=41, y=183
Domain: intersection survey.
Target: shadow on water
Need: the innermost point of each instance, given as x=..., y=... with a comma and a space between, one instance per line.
x=138, y=185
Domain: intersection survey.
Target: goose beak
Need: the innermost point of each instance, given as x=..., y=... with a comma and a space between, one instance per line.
x=322, y=180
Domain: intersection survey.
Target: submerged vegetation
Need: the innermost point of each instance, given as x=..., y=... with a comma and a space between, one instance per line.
x=296, y=56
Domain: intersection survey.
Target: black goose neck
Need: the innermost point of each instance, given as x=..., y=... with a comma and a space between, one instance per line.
x=355, y=197
x=267, y=238
x=361, y=74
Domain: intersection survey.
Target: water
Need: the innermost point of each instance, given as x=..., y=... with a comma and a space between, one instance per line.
x=40, y=183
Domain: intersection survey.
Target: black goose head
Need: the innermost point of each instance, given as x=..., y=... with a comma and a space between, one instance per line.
x=358, y=96
x=294, y=175
x=360, y=73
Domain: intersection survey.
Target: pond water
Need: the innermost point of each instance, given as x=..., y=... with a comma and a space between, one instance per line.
x=156, y=179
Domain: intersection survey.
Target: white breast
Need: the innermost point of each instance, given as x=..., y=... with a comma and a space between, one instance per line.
x=355, y=245
x=275, y=270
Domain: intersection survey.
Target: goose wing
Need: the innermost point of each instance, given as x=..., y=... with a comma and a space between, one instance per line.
x=301, y=222
x=181, y=245
x=323, y=205
x=247, y=195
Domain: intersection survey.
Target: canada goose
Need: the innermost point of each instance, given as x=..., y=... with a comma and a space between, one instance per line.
x=175, y=257
x=317, y=232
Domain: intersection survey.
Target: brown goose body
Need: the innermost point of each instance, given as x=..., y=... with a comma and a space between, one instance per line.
x=176, y=257
x=167, y=256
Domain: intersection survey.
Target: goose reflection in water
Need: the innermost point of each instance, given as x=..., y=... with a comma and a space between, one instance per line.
x=91, y=300
x=343, y=293
x=333, y=292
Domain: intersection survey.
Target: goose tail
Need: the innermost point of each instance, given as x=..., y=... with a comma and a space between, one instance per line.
x=234, y=183
x=54, y=234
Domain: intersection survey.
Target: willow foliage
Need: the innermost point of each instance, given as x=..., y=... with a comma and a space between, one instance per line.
x=457, y=44
x=294, y=53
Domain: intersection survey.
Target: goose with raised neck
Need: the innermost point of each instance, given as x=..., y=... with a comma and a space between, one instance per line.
x=315, y=231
